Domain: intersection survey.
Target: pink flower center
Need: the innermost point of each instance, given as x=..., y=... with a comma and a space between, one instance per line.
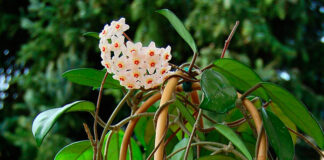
x=152, y=64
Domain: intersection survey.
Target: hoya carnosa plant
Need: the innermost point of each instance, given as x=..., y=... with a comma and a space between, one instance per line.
x=135, y=66
x=225, y=86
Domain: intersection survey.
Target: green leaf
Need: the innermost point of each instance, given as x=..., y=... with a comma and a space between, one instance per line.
x=179, y=27
x=115, y=144
x=288, y=123
x=239, y=75
x=295, y=111
x=219, y=95
x=181, y=154
x=90, y=77
x=278, y=135
x=92, y=34
x=45, y=120
x=230, y=135
x=81, y=150
x=216, y=157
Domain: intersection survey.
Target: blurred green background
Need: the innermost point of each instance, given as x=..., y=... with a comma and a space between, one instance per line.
x=283, y=40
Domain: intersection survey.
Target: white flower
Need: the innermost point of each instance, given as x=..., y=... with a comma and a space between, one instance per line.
x=104, y=46
x=133, y=48
x=117, y=45
x=133, y=65
x=104, y=32
x=151, y=50
x=119, y=27
x=166, y=53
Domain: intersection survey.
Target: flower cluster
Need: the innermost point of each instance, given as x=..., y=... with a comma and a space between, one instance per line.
x=134, y=65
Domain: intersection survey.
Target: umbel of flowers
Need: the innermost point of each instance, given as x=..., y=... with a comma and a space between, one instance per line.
x=133, y=65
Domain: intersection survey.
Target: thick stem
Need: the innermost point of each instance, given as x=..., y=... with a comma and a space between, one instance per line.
x=262, y=151
x=111, y=118
x=129, y=130
x=162, y=119
x=146, y=105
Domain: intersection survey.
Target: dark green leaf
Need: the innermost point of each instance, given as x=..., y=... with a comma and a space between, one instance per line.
x=239, y=75
x=278, y=135
x=179, y=27
x=45, y=120
x=230, y=135
x=295, y=111
x=81, y=150
x=219, y=95
x=288, y=123
x=91, y=34
x=181, y=154
x=217, y=157
x=90, y=77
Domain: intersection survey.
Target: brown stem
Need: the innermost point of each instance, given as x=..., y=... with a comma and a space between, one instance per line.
x=207, y=67
x=248, y=92
x=229, y=39
x=307, y=141
x=129, y=130
x=86, y=128
x=262, y=150
x=192, y=134
x=96, y=117
x=162, y=119
x=147, y=104
x=195, y=100
x=193, y=61
x=127, y=37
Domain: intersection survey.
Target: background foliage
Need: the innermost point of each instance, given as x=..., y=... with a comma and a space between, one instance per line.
x=281, y=39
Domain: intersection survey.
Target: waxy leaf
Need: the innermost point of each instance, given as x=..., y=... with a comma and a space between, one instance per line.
x=278, y=135
x=239, y=75
x=233, y=137
x=45, y=120
x=288, y=123
x=179, y=27
x=219, y=95
x=295, y=111
x=181, y=154
x=115, y=144
x=92, y=34
x=81, y=150
x=90, y=77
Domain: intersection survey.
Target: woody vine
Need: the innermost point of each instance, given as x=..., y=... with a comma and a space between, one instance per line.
x=191, y=100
